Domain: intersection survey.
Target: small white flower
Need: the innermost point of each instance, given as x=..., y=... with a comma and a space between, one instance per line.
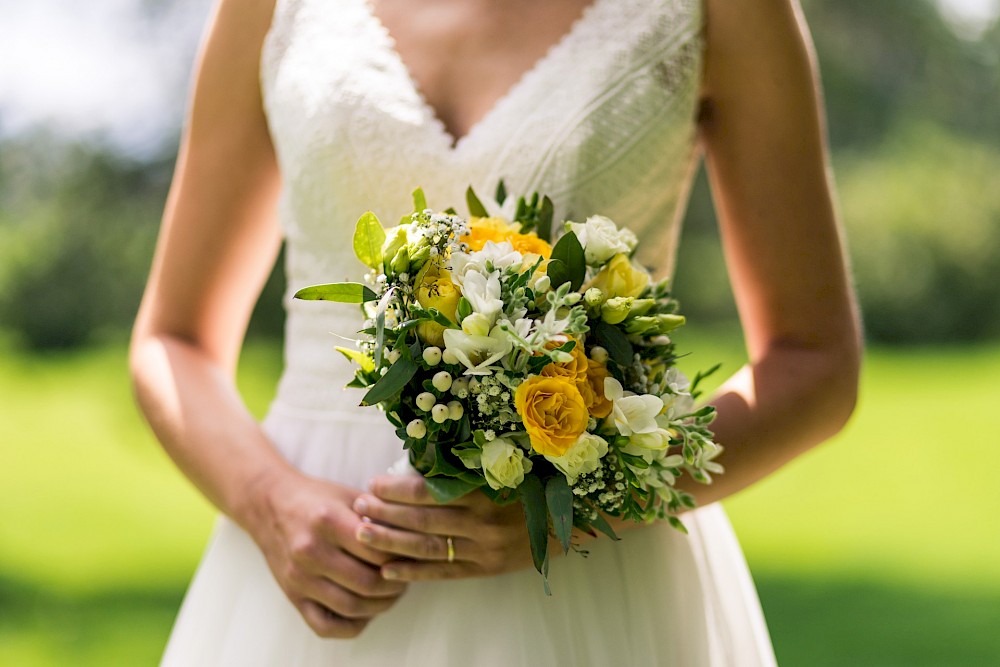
x=442, y=380
x=416, y=429
x=504, y=464
x=425, y=400
x=432, y=355
x=602, y=239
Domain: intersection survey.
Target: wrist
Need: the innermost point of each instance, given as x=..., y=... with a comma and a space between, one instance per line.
x=255, y=506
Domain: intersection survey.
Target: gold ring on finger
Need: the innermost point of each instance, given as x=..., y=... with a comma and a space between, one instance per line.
x=451, y=549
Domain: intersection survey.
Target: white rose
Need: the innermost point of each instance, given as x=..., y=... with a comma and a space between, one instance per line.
x=601, y=239
x=504, y=464
x=582, y=457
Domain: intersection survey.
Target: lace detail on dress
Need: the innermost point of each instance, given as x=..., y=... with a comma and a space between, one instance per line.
x=353, y=133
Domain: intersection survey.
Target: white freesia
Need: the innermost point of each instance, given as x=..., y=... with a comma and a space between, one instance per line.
x=657, y=440
x=504, y=463
x=507, y=210
x=499, y=255
x=483, y=293
x=582, y=457
x=602, y=239
x=477, y=324
x=632, y=413
x=477, y=353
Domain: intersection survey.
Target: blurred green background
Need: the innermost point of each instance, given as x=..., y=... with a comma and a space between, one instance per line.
x=881, y=547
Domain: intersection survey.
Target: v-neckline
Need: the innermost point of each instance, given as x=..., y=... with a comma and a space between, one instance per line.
x=454, y=143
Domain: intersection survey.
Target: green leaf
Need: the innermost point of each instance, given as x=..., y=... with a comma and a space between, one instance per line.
x=358, y=357
x=677, y=523
x=476, y=207
x=559, y=498
x=615, y=342
x=447, y=489
x=569, y=251
x=544, y=228
x=340, y=292
x=419, y=200
x=368, y=239
x=601, y=524
x=398, y=375
x=558, y=272
x=501, y=194
x=537, y=517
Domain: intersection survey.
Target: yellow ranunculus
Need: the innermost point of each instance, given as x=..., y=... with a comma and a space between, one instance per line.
x=592, y=390
x=575, y=369
x=436, y=290
x=553, y=412
x=499, y=230
x=620, y=278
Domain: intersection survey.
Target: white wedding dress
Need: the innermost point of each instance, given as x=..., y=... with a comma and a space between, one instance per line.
x=604, y=123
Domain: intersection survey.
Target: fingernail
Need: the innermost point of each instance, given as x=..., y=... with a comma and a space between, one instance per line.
x=364, y=534
x=361, y=506
x=390, y=573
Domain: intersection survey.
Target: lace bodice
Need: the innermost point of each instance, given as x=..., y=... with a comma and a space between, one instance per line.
x=603, y=123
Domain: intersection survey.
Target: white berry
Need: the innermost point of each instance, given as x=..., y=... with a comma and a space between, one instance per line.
x=599, y=354
x=426, y=400
x=455, y=410
x=449, y=357
x=432, y=355
x=439, y=413
x=442, y=381
x=416, y=429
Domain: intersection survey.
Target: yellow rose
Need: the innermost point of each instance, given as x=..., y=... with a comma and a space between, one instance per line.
x=592, y=390
x=620, y=278
x=499, y=230
x=553, y=411
x=436, y=290
x=574, y=370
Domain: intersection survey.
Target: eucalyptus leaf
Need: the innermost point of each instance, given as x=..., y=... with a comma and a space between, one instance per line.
x=447, y=489
x=537, y=517
x=368, y=239
x=476, y=207
x=398, y=375
x=559, y=498
x=601, y=524
x=339, y=292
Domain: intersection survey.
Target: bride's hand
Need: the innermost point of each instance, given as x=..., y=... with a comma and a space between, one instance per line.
x=406, y=521
x=306, y=529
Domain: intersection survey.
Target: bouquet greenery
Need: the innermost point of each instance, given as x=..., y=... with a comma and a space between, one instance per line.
x=535, y=372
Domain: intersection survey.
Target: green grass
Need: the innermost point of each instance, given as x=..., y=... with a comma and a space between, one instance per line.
x=878, y=548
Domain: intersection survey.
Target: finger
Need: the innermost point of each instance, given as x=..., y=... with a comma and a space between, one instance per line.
x=327, y=624
x=408, y=489
x=418, y=518
x=356, y=576
x=429, y=571
x=336, y=531
x=343, y=602
x=419, y=546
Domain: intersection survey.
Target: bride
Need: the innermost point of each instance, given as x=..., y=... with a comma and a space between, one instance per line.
x=305, y=114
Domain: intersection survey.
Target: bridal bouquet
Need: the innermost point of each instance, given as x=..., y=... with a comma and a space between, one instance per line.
x=535, y=372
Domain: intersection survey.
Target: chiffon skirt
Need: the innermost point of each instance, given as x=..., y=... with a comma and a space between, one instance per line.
x=657, y=597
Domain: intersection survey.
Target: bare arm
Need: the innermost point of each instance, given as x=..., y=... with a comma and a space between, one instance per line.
x=216, y=246
x=764, y=139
